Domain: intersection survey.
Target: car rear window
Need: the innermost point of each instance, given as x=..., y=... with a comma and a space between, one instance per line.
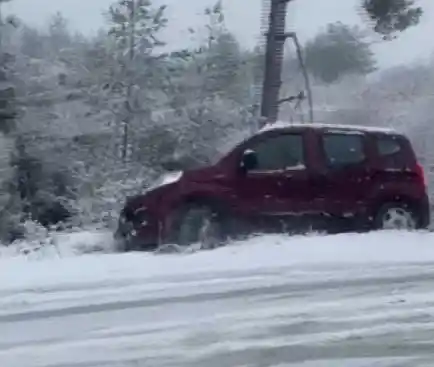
x=388, y=145
x=344, y=149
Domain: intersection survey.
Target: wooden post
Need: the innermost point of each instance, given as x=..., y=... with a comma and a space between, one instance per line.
x=273, y=60
x=130, y=80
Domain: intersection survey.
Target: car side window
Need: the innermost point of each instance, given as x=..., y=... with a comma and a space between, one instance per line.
x=388, y=146
x=343, y=149
x=280, y=152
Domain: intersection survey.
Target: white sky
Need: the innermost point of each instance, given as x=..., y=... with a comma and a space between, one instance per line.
x=305, y=16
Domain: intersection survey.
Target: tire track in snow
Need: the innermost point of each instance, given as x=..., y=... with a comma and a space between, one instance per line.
x=271, y=292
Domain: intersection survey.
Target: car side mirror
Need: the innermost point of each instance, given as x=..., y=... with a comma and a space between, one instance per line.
x=249, y=160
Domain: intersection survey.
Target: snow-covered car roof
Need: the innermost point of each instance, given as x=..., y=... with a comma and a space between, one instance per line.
x=350, y=128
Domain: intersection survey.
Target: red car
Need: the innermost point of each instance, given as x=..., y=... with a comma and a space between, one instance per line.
x=286, y=178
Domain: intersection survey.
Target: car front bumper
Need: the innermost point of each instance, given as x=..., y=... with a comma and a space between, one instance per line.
x=131, y=236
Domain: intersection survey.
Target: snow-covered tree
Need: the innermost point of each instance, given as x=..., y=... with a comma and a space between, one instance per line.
x=210, y=88
x=135, y=26
x=9, y=203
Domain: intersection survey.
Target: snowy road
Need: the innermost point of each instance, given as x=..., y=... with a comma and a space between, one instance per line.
x=348, y=300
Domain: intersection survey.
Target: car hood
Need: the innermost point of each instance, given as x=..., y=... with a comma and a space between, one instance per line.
x=167, y=180
x=202, y=174
x=155, y=189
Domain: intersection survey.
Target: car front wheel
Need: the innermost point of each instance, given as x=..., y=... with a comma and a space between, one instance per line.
x=201, y=226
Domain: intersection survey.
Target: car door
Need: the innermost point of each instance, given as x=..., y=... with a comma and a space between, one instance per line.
x=277, y=187
x=347, y=178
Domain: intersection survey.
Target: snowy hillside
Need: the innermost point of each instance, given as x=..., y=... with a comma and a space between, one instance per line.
x=347, y=300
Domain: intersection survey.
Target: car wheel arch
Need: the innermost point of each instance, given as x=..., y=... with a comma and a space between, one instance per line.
x=187, y=202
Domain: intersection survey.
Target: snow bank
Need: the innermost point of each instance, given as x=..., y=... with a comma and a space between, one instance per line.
x=299, y=301
x=60, y=245
x=58, y=263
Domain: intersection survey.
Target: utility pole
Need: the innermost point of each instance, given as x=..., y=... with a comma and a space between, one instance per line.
x=274, y=59
x=130, y=79
x=274, y=56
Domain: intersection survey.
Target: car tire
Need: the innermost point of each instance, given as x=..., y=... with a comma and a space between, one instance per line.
x=201, y=226
x=395, y=216
x=122, y=243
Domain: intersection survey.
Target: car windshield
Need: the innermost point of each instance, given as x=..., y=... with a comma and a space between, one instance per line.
x=227, y=145
x=206, y=155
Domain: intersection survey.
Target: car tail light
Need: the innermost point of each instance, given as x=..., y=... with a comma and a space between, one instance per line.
x=420, y=173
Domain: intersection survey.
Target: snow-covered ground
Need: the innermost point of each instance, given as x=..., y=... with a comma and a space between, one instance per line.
x=347, y=300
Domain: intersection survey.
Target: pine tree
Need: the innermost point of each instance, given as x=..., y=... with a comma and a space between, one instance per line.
x=59, y=36
x=340, y=50
x=210, y=89
x=9, y=205
x=134, y=27
x=391, y=16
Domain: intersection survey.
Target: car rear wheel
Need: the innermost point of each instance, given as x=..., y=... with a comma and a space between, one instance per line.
x=396, y=217
x=200, y=226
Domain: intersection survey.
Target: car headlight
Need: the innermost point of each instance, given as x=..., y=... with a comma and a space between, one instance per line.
x=140, y=217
